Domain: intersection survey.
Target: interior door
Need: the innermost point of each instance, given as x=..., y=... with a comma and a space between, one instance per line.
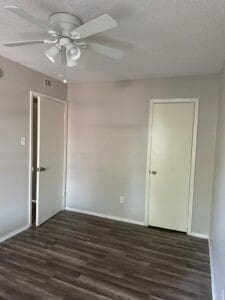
x=50, y=158
x=171, y=153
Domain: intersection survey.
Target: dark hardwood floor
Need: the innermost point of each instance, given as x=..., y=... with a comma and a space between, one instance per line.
x=75, y=256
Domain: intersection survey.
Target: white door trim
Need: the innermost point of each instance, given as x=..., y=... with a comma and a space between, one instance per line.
x=193, y=155
x=38, y=95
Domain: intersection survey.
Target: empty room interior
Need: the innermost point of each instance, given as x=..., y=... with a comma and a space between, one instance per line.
x=112, y=150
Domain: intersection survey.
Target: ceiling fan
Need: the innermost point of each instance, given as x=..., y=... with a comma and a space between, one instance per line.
x=68, y=34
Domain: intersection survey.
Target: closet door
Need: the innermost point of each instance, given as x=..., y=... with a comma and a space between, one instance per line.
x=171, y=157
x=50, y=158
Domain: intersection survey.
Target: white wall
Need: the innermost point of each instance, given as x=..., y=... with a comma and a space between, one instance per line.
x=108, y=128
x=217, y=236
x=15, y=86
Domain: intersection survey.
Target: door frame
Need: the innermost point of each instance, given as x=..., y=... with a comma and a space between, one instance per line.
x=38, y=95
x=193, y=155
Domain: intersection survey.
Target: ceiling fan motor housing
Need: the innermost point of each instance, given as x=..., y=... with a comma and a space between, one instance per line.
x=63, y=23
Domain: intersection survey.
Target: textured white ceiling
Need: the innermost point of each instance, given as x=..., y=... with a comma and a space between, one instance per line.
x=160, y=38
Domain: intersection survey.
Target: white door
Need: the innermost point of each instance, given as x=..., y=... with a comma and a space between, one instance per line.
x=170, y=167
x=50, y=158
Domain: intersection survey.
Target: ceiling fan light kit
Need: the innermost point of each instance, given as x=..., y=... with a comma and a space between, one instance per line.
x=70, y=53
x=69, y=35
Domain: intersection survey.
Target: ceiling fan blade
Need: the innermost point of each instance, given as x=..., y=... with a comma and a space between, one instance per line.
x=94, y=26
x=26, y=16
x=106, y=51
x=23, y=43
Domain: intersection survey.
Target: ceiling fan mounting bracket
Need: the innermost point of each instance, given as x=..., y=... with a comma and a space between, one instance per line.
x=63, y=23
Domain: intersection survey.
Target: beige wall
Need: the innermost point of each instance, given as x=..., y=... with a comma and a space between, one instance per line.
x=15, y=86
x=108, y=128
x=217, y=236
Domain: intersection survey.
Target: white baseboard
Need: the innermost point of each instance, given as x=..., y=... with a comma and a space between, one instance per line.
x=92, y=213
x=15, y=232
x=211, y=271
x=199, y=235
